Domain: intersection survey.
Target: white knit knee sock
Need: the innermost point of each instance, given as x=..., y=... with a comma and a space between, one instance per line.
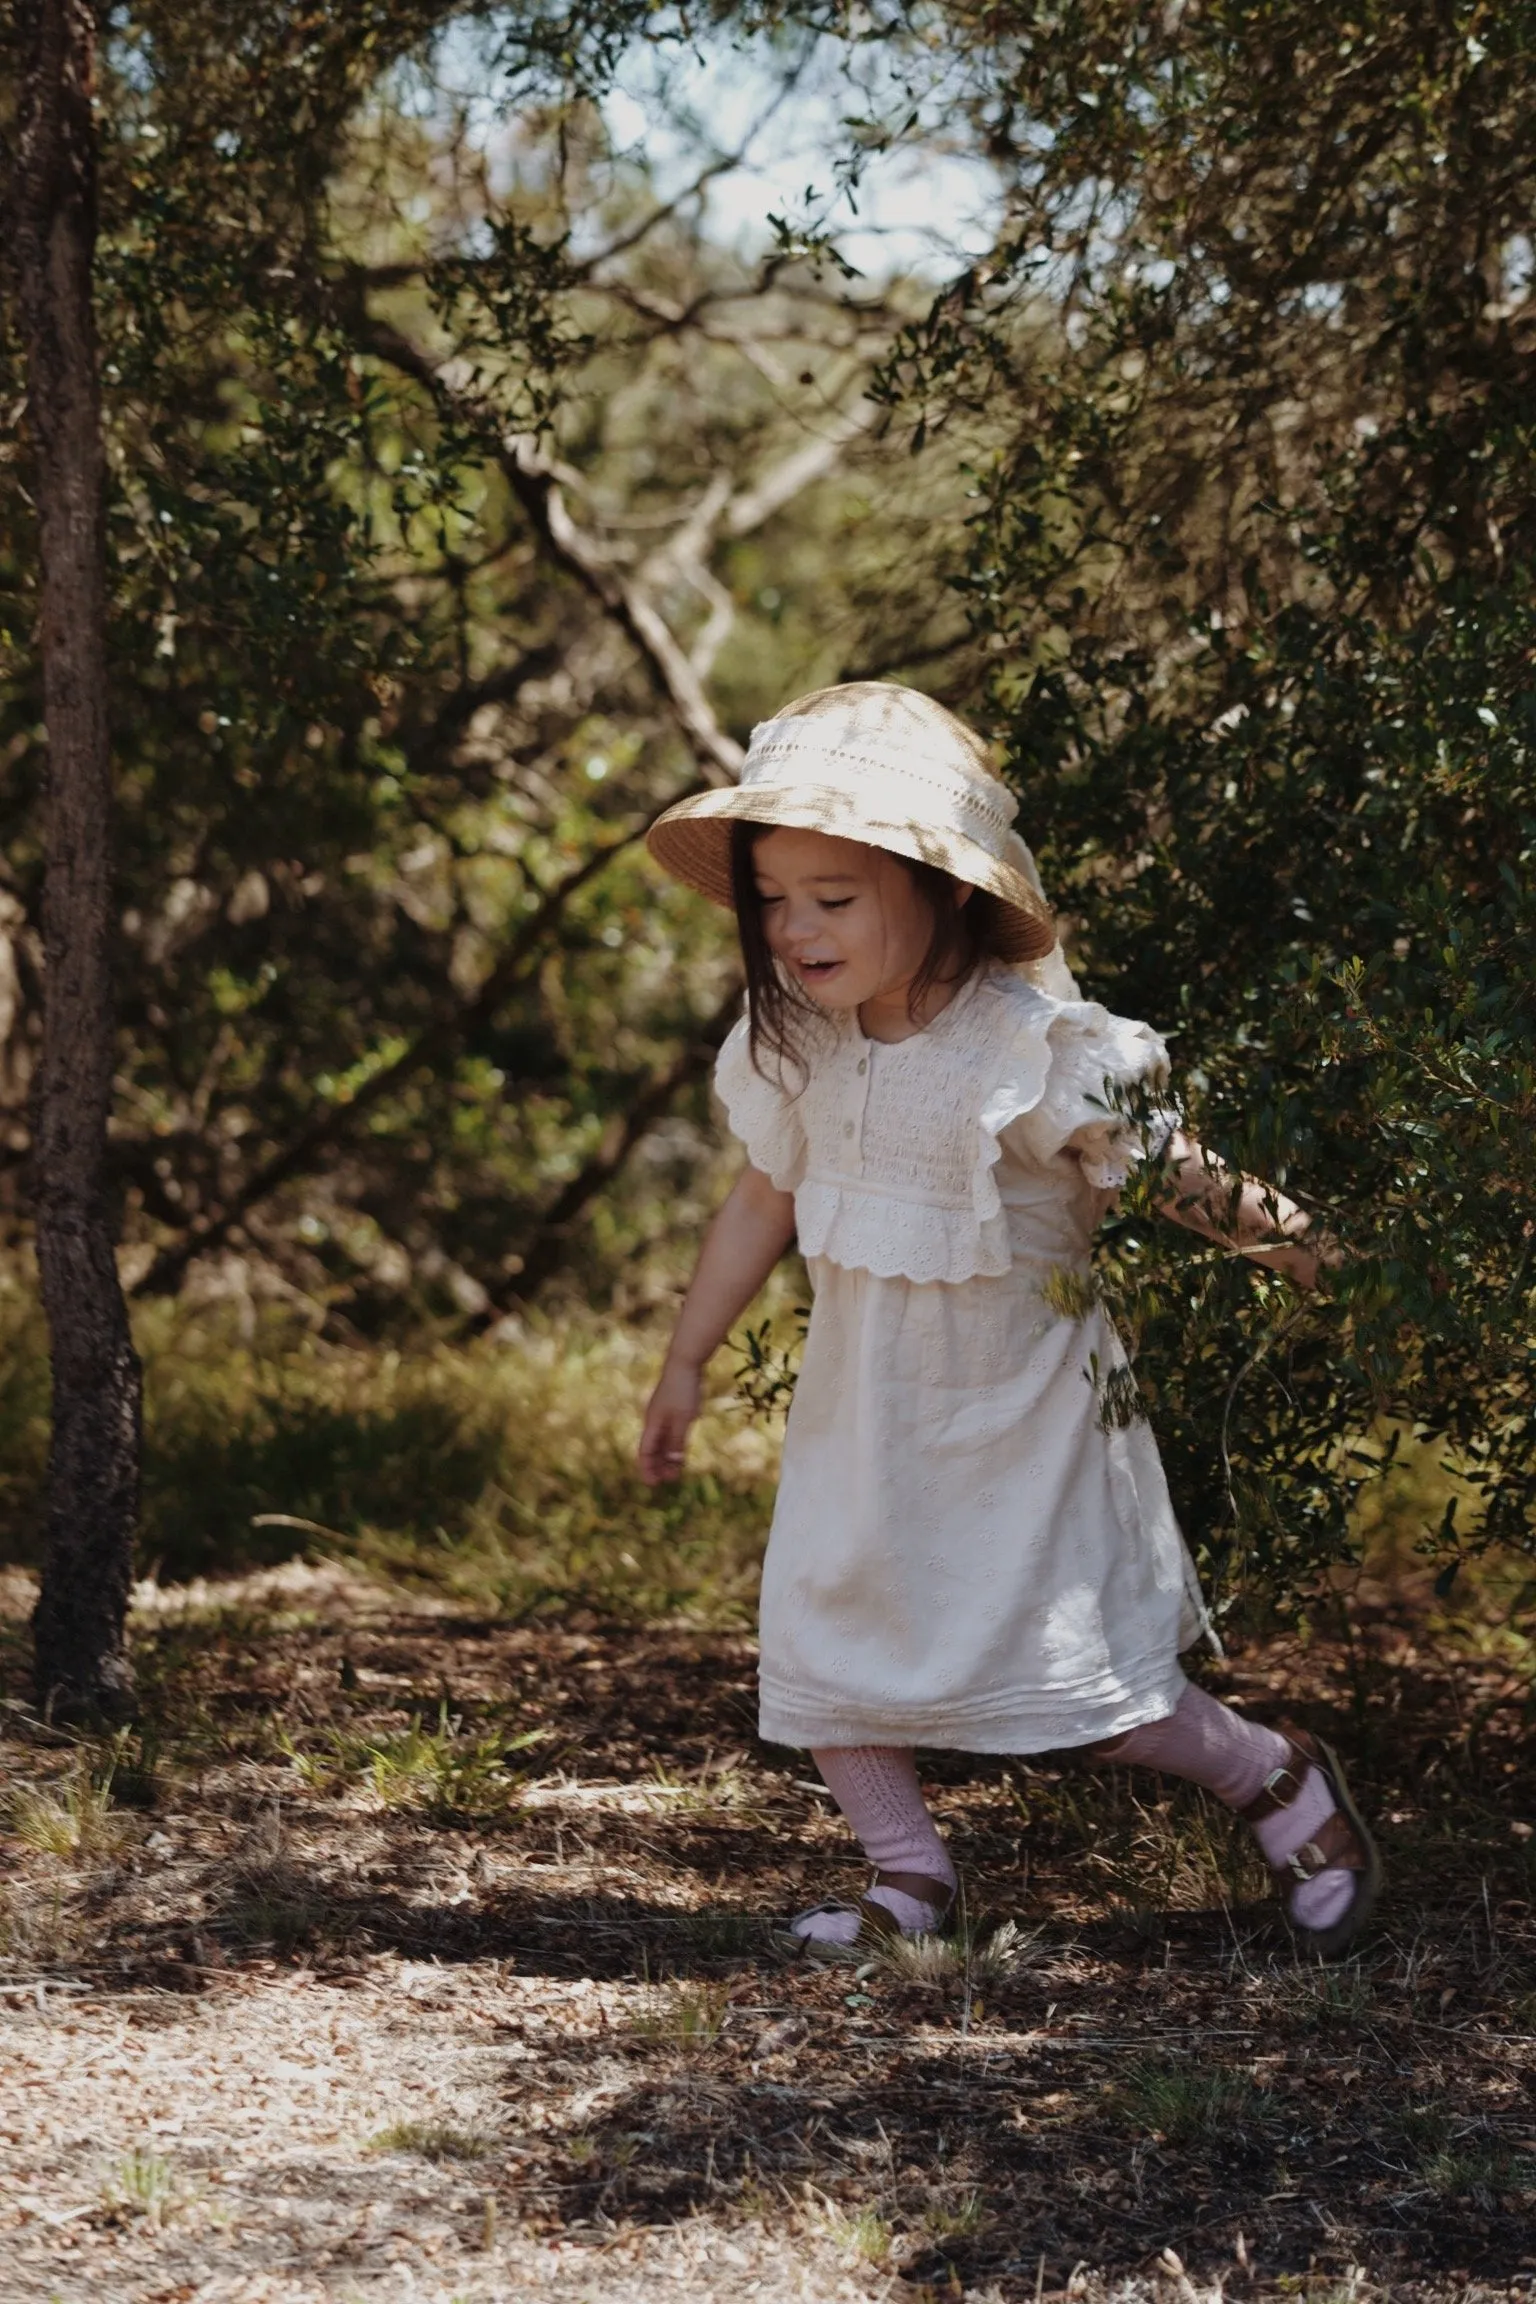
x=876, y=1787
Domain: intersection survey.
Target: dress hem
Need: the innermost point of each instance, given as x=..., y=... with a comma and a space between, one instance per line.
x=1017, y=1733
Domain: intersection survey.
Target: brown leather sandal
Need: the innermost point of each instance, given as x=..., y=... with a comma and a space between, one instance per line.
x=1341, y=1843
x=877, y=1927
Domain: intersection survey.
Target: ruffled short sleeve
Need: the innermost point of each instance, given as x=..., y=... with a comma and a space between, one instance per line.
x=763, y=1114
x=1104, y=1098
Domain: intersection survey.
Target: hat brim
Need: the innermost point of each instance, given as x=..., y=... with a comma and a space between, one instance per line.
x=692, y=841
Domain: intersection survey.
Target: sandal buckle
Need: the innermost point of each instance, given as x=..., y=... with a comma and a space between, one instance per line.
x=1284, y=1774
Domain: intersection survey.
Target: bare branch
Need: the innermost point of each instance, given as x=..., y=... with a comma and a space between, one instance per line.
x=778, y=487
x=721, y=166
x=542, y=485
x=536, y=480
x=685, y=554
x=539, y=492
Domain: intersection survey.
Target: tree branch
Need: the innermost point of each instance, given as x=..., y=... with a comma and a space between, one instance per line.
x=534, y=479
x=685, y=553
x=547, y=1241
x=449, y=1022
x=458, y=708
x=539, y=483
x=720, y=166
x=642, y=230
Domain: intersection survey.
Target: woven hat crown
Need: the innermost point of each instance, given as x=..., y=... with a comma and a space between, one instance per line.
x=889, y=745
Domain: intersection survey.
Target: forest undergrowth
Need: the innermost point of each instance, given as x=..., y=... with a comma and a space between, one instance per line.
x=499, y=1472
x=419, y=1941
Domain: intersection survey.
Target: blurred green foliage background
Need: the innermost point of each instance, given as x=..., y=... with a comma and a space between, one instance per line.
x=476, y=484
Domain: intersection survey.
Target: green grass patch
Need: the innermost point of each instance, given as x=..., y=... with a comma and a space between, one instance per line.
x=430, y=2140
x=962, y=2222
x=500, y=1474
x=1457, y=2158
x=142, y=2184
x=451, y=1773
x=862, y=2232
x=1190, y=2103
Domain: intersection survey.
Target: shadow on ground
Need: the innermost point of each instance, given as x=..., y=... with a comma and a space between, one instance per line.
x=349, y=1794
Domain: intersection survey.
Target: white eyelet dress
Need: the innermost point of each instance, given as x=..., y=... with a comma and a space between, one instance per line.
x=965, y=1551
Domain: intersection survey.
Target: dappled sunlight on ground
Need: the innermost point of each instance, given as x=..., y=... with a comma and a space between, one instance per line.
x=414, y=1954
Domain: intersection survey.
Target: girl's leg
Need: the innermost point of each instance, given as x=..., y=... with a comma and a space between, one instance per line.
x=1210, y=1744
x=876, y=1787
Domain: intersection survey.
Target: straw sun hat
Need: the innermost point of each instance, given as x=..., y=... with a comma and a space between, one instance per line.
x=873, y=762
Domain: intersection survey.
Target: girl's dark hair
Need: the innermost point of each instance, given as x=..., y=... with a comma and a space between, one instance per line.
x=963, y=937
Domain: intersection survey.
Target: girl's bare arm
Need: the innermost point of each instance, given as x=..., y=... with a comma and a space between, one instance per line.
x=1259, y=1221
x=741, y=1248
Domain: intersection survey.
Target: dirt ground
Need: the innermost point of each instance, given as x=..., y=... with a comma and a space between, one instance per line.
x=348, y=1990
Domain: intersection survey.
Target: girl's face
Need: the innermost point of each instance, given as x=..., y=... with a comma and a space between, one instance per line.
x=847, y=923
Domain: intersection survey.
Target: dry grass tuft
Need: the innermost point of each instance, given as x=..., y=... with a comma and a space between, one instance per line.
x=1183, y=1853
x=272, y=1905
x=449, y=1773
x=714, y=1792
x=724, y=1935
x=76, y=1822
x=141, y=2185
x=435, y=2140
x=40, y=1929
x=1320, y=1998
x=683, y=2015
x=971, y=1956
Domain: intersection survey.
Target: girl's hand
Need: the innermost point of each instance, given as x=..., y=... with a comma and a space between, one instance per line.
x=673, y=1407
x=1244, y=1215
x=743, y=1245
x=1301, y=1258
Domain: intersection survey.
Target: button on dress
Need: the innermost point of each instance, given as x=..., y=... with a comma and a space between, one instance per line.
x=966, y=1549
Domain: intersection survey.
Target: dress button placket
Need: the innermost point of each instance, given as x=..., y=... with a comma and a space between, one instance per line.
x=853, y=1130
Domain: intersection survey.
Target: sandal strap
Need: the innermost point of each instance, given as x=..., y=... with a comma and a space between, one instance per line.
x=1335, y=1846
x=921, y=1887
x=936, y=1896
x=874, y=1920
x=878, y=1923
x=1282, y=1786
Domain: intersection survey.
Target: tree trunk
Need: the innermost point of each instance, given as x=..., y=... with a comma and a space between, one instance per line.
x=93, y=1466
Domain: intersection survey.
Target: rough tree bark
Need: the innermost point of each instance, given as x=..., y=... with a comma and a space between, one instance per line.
x=93, y=1467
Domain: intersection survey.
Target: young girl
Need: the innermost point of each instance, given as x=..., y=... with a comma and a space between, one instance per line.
x=966, y=1551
